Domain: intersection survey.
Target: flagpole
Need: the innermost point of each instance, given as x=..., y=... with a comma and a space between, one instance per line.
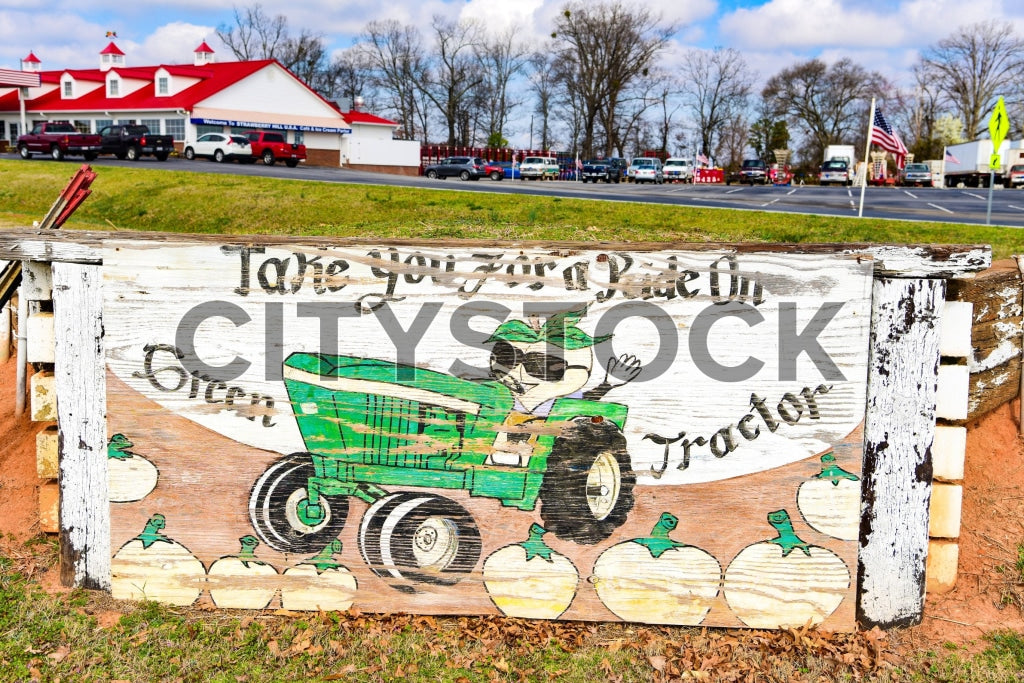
x=867, y=152
x=944, y=152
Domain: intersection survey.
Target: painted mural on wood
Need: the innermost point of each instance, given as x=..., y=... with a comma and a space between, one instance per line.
x=663, y=437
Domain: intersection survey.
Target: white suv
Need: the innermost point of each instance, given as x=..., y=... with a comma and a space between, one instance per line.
x=677, y=169
x=539, y=167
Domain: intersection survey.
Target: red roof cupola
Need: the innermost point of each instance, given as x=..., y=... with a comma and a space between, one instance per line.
x=31, y=63
x=110, y=57
x=203, y=54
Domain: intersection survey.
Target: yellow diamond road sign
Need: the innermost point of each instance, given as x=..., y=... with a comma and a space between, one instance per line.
x=998, y=125
x=994, y=162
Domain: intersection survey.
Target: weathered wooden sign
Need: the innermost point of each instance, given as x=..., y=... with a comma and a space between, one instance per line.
x=667, y=437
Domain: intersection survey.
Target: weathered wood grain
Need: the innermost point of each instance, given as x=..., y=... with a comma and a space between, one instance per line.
x=422, y=475
x=81, y=420
x=898, y=433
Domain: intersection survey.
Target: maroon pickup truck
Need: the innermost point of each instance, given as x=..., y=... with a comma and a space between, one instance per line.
x=269, y=147
x=59, y=139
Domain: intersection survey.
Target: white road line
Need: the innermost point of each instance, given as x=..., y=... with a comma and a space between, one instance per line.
x=1019, y=208
x=791, y=191
x=976, y=196
x=910, y=194
x=771, y=202
x=739, y=189
x=940, y=208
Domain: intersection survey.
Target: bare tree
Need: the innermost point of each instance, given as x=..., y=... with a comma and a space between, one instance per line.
x=396, y=58
x=543, y=83
x=503, y=58
x=971, y=67
x=349, y=76
x=732, y=143
x=716, y=85
x=254, y=35
x=306, y=56
x=453, y=75
x=605, y=47
x=829, y=103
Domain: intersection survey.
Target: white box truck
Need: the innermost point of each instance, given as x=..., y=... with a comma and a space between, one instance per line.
x=971, y=168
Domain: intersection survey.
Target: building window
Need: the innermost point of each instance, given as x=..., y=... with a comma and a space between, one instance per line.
x=175, y=128
x=69, y=89
x=300, y=137
x=82, y=126
x=203, y=129
x=14, y=132
x=152, y=124
x=163, y=87
x=113, y=88
x=103, y=123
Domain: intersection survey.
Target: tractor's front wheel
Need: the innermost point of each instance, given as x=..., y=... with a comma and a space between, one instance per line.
x=588, y=489
x=280, y=511
x=419, y=537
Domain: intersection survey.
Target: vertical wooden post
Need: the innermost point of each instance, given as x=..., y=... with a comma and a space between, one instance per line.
x=5, y=333
x=899, y=429
x=82, y=422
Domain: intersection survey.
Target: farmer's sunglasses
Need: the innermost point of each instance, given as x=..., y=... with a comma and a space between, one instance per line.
x=550, y=368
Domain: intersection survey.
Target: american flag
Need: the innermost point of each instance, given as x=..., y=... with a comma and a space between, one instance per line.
x=703, y=160
x=883, y=135
x=950, y=158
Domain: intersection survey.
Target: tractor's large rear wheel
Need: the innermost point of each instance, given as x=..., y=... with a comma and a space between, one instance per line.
x=420, y=537
x=280, y=511
x=588, y=489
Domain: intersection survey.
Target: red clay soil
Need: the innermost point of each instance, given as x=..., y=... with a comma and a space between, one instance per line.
x=989, y=594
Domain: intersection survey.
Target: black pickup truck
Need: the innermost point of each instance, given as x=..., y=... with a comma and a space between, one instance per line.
x=133, y=142
x=608, y=170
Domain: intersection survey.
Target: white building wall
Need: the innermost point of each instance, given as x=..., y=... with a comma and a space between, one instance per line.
x=374, y=145
x=271, y=89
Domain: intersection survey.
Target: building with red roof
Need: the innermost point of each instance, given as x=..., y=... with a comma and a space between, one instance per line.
x=189, y=100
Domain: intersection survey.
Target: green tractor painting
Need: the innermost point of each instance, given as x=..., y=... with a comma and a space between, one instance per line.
x=527, y=435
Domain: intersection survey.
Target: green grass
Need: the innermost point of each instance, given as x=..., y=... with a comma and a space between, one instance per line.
x=87, y=636
x=178, y=201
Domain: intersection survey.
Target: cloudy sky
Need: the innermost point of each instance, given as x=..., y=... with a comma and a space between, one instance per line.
x=885, y=35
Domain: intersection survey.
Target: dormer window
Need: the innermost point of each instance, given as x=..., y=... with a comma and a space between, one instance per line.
x=163, y=86
x=113, y=88
x=68, y=89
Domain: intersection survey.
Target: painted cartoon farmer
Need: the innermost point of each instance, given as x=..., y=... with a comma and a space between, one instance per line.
x=540, y=363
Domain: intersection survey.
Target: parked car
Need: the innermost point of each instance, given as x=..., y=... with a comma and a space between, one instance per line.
x=750, y=172
x=679, y=170
x=1016, y=176
x=647, y=170
x=220, y=147
x=835, y=171
x=132, y=142
x=464, y=168
x=539, y=168
x=916, y=175
x=498, y=170
x=272, y=146
x=611, y=170
x=58, y=139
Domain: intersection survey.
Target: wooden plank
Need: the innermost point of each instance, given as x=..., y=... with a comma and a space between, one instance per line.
x=899, y=429
x=890, y=260
x=81, y=420
x=37, y=281
x=440, y=456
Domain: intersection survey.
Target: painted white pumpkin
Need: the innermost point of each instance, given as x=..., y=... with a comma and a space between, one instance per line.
x=130, y=476
x=657, y=580
x=830, y=501
x=784, y=582
x=319, y=583
x=529, y=579
x=243, y=581
x=153, y=567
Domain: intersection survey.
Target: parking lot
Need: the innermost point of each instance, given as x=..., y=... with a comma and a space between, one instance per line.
x=967, y=205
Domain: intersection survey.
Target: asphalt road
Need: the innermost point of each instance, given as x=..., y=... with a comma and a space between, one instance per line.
x=967, y=205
